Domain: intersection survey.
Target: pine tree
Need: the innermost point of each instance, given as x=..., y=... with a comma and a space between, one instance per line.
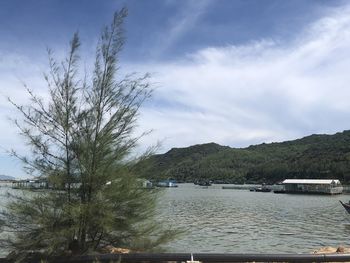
x=81, y=141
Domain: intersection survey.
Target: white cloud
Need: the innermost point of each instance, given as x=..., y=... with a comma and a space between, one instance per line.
x=259, y=92
x=180, y=24
x=263, y=91
x=15, y=71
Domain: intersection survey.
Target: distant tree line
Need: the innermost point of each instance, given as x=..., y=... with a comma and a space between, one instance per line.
x=315, y=156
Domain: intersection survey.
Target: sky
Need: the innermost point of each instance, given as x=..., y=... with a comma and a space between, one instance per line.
x=234, y=72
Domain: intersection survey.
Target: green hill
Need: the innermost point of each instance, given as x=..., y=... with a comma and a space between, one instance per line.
x=6, y=177
x=315, y=156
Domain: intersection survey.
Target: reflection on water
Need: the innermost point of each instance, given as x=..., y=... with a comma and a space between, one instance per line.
x=240, y=221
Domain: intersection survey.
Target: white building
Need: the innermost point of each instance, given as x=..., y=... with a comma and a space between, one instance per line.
x=313, y=186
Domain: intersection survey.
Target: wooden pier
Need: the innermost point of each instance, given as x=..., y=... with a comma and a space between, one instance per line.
x=30, y=184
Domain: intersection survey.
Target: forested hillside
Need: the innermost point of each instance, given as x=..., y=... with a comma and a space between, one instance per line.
x=315, y=156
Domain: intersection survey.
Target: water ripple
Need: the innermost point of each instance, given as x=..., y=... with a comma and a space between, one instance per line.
x=239, y=221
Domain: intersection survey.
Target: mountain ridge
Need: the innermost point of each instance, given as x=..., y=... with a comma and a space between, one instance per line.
x=6, y=177
x=313, y=156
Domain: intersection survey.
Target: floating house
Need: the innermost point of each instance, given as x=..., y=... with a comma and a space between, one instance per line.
x=313, y=186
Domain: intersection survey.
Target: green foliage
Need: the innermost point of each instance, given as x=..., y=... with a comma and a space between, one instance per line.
x=81, y=142
x=315, y=156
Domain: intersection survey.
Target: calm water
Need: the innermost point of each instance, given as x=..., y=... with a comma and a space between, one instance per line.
x=240, y=221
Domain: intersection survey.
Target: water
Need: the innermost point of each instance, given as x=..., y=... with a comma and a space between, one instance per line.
x=240, y=221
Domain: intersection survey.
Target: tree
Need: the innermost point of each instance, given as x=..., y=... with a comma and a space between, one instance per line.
x=81, y=142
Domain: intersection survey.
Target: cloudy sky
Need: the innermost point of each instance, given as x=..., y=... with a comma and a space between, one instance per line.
x=234, y=72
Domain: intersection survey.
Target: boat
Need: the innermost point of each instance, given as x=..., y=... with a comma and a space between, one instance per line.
x=203, y=183
x=346, y=206
x=262, y=188
x=167, y=183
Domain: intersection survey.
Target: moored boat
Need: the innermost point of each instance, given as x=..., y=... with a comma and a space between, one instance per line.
x=346, y=206
x=262, y=188
x=168, y=183
x=203, y=183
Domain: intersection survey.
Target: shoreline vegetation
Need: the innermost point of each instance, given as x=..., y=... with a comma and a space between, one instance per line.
x=311, y=157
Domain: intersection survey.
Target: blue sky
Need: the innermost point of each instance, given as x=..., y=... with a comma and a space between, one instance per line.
x=235, y=72
x=180, y=26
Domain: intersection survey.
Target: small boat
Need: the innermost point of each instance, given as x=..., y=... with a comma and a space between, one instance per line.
x=262, y=188
x=167, y=183
x=204, y=183
x=346, y=206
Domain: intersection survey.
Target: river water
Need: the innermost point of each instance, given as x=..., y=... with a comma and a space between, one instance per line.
x=240, y=221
